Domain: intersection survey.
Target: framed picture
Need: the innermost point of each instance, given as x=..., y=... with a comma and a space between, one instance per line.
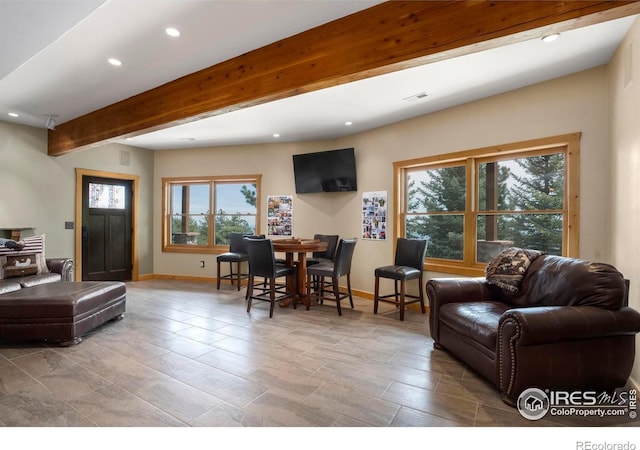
x=279, y=215
x=374, y=215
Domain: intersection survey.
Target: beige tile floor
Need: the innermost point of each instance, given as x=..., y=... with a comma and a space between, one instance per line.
x=186, y=355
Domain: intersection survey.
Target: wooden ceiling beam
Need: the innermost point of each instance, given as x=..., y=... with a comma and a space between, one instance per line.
x=391, y=36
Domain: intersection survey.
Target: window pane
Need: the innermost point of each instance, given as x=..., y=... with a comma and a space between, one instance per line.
x=190, y=198
x=106, y=196
x=444, y=234
x=533, y=183
x=227, y=224
x=533, y=231
x=176, y=198
x=235, y=198
x=199, y=199
x=191, y=230
x=442, y=189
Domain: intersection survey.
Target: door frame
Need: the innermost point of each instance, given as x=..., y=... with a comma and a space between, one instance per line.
x=80, y=173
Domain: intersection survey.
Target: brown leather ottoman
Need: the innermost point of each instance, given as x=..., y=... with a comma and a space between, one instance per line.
x=60, y=312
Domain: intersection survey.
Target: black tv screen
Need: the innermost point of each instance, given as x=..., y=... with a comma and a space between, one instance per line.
x=330, y=171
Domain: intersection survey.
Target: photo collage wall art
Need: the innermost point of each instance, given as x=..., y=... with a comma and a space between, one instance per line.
x=374, y=215
x=279, y=215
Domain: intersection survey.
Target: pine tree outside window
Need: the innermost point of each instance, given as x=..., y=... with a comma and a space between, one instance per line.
x=473, y=204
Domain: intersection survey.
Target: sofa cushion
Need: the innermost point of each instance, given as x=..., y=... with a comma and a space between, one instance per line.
x=559, y=281
x=9, y=286
x=476, y=320
x=43, y=278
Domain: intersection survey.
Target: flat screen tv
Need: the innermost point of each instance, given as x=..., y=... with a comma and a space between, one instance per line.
x=329, y=171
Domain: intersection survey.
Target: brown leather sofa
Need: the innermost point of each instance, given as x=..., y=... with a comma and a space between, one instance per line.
x=60, y=269
x=566, y=328
x=50, y=307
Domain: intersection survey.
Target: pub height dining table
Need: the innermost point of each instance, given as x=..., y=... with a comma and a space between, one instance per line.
x=299, y=247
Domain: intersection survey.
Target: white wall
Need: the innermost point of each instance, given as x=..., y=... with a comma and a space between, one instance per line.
x=566, y=105
x=624, y=86
x=39, y=190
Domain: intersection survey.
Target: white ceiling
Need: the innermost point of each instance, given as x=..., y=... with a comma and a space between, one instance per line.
x=53, y=61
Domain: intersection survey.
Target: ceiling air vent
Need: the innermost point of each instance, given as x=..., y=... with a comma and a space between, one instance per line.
x=416, y=97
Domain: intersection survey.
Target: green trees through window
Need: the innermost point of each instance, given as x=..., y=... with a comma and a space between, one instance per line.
x=470, y=208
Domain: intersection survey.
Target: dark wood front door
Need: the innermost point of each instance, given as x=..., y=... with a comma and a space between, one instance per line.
x=106, y=229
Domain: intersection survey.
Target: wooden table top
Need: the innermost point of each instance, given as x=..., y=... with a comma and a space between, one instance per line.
x=299, y=245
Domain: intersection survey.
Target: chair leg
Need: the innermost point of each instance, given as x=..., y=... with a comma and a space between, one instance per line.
x=402, y=291
x=395, y=286
x=310, y=280
x=421, y=290
x=218, y=279
x=349, y=289
x=336, y=293
x=249, y=292
x=272, y=295
x=239, y=273
x=376, y=291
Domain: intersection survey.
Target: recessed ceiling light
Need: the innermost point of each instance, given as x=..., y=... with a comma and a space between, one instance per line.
x=550, y=37
x=114, y=62
x=12, y=114
x=276, y=135
x=173, y=32
x=348, y=123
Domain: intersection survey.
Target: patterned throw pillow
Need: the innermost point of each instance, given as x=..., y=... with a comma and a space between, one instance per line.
x=31, y=255
x=508, y=268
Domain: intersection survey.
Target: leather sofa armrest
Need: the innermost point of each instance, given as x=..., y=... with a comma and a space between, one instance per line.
x=453, y=290
x=546, y=345
x=549, y=324
x=63, y=266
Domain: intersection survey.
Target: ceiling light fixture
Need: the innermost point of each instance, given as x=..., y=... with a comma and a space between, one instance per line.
x=550, y=37
x=276, y=135
x=12, y=114
x=348, y=123
x=114, y=62
x=173, y=32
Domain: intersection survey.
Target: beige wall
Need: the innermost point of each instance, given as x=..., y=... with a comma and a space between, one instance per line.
x=39, y=191
x=570, y=104
x=624, y=87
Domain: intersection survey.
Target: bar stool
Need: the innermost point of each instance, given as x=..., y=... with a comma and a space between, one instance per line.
x=236, y=255
x=409, y=258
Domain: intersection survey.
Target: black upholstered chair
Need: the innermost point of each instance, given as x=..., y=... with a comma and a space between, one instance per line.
x=236, y=255
x=262, y=264
x=332, y=270
x=329, y=254
x=407, y=266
